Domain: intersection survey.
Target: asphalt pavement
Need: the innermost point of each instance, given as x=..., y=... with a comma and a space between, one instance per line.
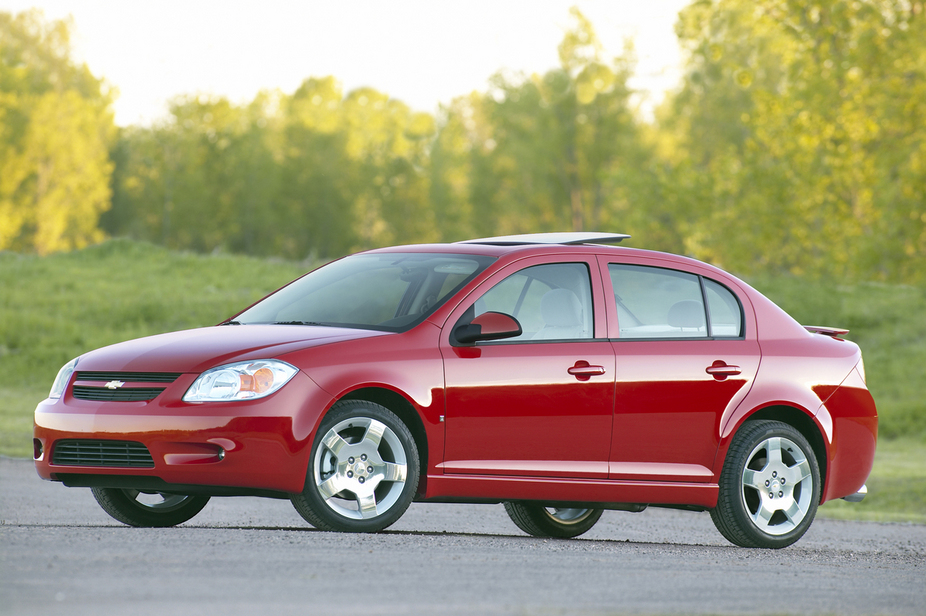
x=61, y=554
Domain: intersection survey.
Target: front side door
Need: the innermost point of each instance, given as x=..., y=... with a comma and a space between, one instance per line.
x=540, y=404
x=684, y=361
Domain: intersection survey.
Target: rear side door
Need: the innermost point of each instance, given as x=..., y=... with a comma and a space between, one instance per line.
x=685, y=358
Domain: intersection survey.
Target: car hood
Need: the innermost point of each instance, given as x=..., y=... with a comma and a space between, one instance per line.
x=196, y=350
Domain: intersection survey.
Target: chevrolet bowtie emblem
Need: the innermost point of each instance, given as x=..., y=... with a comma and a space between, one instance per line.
x=114, y=385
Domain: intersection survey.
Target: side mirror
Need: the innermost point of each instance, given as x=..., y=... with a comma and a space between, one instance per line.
x=488, y=326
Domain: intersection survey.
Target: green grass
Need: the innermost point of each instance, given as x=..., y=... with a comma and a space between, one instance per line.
x=54, y=308
x=896, y=486
x=16, y=407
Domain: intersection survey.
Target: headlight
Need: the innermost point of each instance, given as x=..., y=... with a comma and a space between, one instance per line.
x=245, y=380
x=861, y=370
x=61, y=381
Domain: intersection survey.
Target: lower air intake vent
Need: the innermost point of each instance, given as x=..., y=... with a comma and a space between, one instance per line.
x=119, y=454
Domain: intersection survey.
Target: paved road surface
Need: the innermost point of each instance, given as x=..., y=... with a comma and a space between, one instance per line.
x=61, y=554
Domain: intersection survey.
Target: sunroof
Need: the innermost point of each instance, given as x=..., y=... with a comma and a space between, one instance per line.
x=571, y=238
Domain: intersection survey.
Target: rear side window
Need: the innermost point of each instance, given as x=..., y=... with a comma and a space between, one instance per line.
x=655, y=302
x=725, y=310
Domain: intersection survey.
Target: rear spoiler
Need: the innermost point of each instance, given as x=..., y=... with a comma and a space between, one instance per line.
x=832, y=332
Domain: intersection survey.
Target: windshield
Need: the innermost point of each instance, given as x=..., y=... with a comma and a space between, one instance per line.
x=389, y=292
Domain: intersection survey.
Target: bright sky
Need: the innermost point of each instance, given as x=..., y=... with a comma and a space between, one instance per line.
x=422, y=52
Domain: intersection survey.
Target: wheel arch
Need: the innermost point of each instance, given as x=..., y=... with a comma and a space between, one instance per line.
x=405, y=410
x=799, y=420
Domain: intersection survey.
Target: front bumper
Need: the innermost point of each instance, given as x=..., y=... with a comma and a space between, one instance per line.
x=251, y=445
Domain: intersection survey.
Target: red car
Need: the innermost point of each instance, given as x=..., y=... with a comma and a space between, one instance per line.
x=548, y=372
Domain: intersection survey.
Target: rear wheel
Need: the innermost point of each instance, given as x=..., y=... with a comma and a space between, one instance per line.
x=364, y=470
x=561, y=522
x=769, y=487
x=156, y=509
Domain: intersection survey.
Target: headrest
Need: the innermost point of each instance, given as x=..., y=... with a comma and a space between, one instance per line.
x=561, y=308
x=686, y=314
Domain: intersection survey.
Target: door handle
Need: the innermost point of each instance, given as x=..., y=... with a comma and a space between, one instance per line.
x=721, y=370
x=582, y=370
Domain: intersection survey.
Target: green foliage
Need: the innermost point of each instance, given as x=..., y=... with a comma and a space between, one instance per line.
x=323, y=172
x=796, y=144
x=55, y=129
x=800, y=130
x=539, y=152
x=318, y=172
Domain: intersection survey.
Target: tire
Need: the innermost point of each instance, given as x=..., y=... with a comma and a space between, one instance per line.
x=363, y=471
x=769, y=487
x=148, y=509
x=560, y=522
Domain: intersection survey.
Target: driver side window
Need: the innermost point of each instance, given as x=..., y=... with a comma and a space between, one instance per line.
x=551, y=302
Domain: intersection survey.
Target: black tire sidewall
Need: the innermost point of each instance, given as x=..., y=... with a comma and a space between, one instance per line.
x=731, y=516
x=533, y=519
x=118, y=504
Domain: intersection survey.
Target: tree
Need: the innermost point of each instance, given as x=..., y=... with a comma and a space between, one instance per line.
x=802, y=123
x=55, y=130
x=541, y=153
x=206, y=178
x=316, y=193
x=316, y=174
x=355, y=168
x=460, y=185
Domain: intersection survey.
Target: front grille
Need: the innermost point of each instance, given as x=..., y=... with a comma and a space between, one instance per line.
x=121, y=393
x=120, y=454
x=130, y=377
x=102, y=394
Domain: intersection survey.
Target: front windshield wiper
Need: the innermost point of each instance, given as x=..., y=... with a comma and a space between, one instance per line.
x=231, y=323
x=298, y=323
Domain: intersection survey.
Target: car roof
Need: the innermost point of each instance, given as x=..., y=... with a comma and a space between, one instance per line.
x=520, y=246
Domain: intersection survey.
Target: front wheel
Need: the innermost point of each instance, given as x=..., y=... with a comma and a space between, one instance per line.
x=148, y=509
x=560, y=522
x=769, y=487
x=363, y=473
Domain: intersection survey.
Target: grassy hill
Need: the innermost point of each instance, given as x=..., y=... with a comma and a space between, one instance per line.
x=54, y=308
x=57, y=307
